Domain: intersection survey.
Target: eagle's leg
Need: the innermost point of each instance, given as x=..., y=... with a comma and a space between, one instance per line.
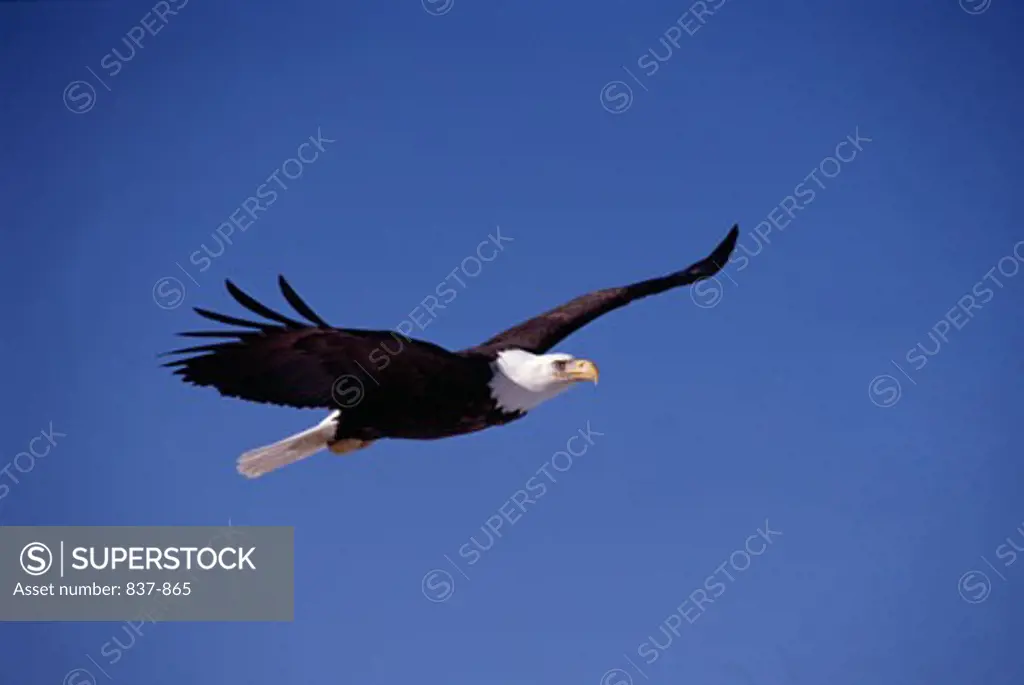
x=346, y=445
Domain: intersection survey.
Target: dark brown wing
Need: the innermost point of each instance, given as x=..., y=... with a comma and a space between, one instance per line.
x=541, y=333
x=299, y=364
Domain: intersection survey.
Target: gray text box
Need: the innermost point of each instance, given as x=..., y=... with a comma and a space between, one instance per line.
x=165, y=573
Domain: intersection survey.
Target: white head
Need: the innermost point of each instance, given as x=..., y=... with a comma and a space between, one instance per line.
x=523, y=380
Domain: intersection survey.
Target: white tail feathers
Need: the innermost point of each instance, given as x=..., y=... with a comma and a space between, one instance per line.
x=261, y=460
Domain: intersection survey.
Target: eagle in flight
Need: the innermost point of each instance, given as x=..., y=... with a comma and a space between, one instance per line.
x=380, y=384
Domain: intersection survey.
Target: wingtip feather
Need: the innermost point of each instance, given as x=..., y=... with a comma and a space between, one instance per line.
x=298, y=304
x=721, y=254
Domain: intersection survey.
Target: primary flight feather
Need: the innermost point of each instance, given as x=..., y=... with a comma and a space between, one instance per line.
x=381, y=384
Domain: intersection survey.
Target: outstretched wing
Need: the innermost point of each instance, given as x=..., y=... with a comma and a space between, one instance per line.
x=541, y=333
x=304, y=363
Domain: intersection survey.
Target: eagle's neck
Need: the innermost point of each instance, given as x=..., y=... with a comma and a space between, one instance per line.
x=523, y=380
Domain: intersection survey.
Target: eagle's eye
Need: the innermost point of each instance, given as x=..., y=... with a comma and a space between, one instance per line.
x=559, y=364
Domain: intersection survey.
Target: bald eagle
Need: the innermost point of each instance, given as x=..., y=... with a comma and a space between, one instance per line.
x=381, y=384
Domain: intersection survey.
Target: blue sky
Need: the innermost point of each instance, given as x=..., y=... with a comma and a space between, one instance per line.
x=787, y=394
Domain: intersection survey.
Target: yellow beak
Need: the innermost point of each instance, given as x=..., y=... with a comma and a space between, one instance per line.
x=581, y=370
